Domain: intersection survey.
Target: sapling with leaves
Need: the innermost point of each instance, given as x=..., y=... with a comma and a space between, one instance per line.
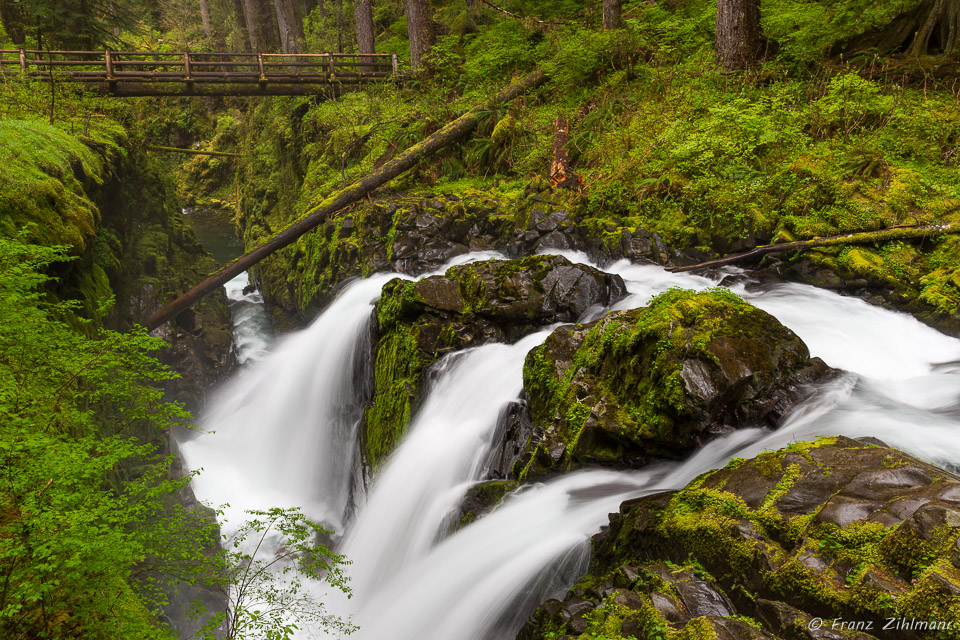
x=273, y=568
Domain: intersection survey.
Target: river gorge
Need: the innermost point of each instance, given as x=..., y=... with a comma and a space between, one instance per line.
x=285, y=431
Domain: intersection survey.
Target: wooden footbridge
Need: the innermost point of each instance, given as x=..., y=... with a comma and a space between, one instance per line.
x=153, y=73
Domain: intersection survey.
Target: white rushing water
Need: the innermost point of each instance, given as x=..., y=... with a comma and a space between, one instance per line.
x=442, y=455
x=286, y=439
x=252, y=333
x=283, y=428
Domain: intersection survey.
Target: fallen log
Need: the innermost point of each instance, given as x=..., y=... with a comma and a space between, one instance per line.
x=903, y=232
x=193, y=151
x=334, y=203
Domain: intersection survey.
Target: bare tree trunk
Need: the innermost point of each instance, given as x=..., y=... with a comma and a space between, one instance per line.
x=339, y=26
x=952, y=38
x=290, y=23
x=612, y=15
x=906, y=232
x=261, y=25
x=205, y=18
x=419, y=30
x=12, y=22
x=922, y=42
x=738, y=33
x=363, y=13
x=942, y=21
x=240, y=19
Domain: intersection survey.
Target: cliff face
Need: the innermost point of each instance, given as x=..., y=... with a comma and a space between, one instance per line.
x=115, y=210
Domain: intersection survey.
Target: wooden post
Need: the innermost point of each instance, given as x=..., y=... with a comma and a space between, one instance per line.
x=332, y=72
x=263, y=75
x=23, y=61
x=186, y=65
x=395, y=63
x=108, y=64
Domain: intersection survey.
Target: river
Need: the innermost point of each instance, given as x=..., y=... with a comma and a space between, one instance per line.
x=283, y=433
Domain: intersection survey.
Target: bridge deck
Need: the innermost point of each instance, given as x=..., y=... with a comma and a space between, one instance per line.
x=149, y=73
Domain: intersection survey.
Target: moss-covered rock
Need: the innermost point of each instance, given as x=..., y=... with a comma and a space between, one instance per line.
x=660, y=380
x=655, y=600
x=470, y=305
x=835, y=529
x=114, y=208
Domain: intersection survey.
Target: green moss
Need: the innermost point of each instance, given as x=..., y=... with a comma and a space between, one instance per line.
x=629, y=365
x=49, y=181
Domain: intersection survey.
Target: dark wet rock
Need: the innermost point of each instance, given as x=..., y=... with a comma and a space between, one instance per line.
x=480, y=499
x=415, y=235
x=513, y=432
x=702, y=598
x=660, y=600
x=659, y=381
x=470, y=305
x=770, y=561
x=201, y=351
x=790, y=623
x=778, y=561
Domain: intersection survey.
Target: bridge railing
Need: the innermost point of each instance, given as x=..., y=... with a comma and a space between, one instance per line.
x=200, y=67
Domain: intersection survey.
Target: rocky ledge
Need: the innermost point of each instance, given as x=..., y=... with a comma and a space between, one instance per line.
x=831, y=539
x=659, y=381
x=470, y=305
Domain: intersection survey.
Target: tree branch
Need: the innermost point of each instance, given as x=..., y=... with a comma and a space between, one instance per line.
x=905, y=232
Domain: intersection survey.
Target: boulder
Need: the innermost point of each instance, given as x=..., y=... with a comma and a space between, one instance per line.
x=764, y=538
x=659, y=381
x=470, y=305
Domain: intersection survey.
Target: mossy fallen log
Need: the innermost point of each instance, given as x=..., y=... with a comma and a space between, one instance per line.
x=195, y=152
x=905, y=232
x=337, y=201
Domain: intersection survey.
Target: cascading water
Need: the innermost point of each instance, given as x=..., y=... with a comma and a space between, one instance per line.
x=442, y=455
x=287, y=423
x=287, y=426
x=251, y=325
x=480, y=582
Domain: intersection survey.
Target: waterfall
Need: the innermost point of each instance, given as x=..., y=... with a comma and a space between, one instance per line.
x=287, y=424
x=441, y=456
x=287, y=440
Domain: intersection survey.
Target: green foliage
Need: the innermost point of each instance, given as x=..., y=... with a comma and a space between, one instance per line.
x=852, y=103
x=807, y=29
x=78, y=24
x=40, y=184
x=86, y=542
x=271, y=597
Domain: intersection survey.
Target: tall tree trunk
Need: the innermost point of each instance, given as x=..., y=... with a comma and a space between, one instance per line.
x=261, y=25
x=205, y=18
x=612, y=15
x=12, y=22
x=240, y=20
x=363, y=13
x=943, y=20
x=290, y=23
x=419, y=30
x=339, y=26
x=738, y=33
